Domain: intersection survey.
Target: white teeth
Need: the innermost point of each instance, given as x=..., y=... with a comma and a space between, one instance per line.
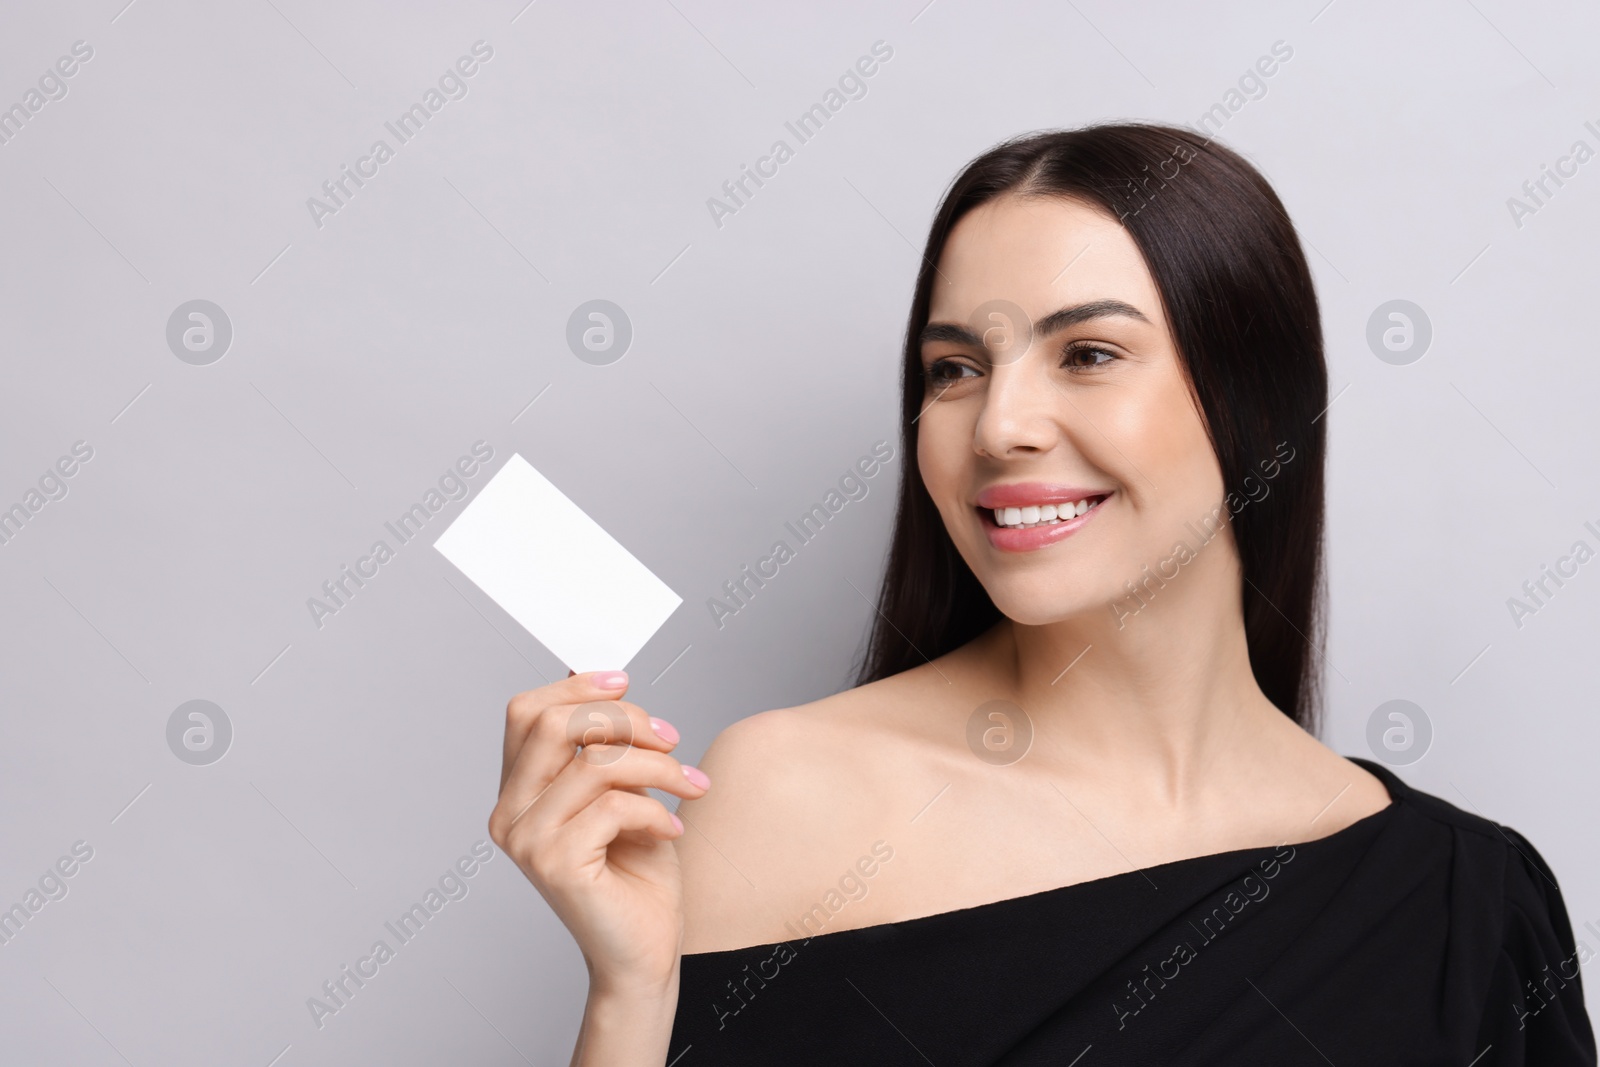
x=1036, y=515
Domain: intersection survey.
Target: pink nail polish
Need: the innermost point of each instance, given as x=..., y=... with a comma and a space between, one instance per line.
x=678, y=823
x=697, y=777
x=664, y=730
x=611, y=679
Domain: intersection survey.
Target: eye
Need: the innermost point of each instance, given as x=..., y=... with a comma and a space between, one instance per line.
x=945, y=371
x=1087, y=357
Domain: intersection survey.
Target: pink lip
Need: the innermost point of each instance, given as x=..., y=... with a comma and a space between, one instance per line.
x=1021, y=494
x=1014, y=539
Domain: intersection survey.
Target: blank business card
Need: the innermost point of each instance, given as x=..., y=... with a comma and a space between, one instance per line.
x=556, y=571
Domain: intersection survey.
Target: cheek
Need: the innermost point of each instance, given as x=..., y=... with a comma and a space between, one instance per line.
x=1186, y=454
x=939, y=454
x=1161, y=452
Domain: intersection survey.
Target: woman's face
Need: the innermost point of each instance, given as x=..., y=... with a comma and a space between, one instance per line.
x=1094, y=413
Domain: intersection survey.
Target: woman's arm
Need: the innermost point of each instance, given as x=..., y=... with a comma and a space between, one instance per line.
x=626, y=1026
x=574, y=816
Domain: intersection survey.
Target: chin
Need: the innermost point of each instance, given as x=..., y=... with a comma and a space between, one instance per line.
x=1034, y=606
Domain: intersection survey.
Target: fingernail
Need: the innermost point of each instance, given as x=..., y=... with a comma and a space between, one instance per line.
x=697, y=777
x=678, y=823
x=611, y=679
x=664, y=730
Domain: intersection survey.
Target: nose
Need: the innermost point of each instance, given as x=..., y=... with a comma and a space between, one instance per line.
x=1021, y=411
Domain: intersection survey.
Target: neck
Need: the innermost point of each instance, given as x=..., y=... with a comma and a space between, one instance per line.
x=1155, y=697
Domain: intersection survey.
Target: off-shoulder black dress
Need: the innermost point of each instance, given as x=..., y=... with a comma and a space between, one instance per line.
x=1419, y=935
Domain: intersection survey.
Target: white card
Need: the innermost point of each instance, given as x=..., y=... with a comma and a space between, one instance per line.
x=556, y=571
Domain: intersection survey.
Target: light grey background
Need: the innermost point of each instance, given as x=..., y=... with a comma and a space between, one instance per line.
x=370, y=353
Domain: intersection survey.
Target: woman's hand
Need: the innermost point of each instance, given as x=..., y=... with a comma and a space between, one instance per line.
x=578, y=822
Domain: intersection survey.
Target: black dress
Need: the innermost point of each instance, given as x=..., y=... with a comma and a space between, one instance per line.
x=1419, y=935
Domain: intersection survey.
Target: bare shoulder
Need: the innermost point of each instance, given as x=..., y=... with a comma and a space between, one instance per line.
x=1336, y=791
x=795, y=796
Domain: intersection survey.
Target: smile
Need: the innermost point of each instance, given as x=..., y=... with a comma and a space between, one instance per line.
x=1031, y=515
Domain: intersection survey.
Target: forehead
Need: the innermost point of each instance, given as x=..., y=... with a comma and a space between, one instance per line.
x=1019, y=249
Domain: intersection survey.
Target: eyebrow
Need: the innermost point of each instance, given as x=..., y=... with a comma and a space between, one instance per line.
x=960, y=334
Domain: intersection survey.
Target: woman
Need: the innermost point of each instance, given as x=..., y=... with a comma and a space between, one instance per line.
x=1074, y=813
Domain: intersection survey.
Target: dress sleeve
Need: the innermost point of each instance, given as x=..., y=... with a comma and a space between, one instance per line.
x=1534, y=1014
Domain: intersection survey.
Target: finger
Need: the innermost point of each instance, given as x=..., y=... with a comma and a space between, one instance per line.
x=605, y=730
x=602, y=768
x=524, y=709
x=615, y=812
x=556, y=734
x=557, y=855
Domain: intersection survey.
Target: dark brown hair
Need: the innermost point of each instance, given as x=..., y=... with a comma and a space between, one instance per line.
x=1239, y=300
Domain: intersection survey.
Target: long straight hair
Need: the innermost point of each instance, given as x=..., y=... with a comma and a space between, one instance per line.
x=1243, y=312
